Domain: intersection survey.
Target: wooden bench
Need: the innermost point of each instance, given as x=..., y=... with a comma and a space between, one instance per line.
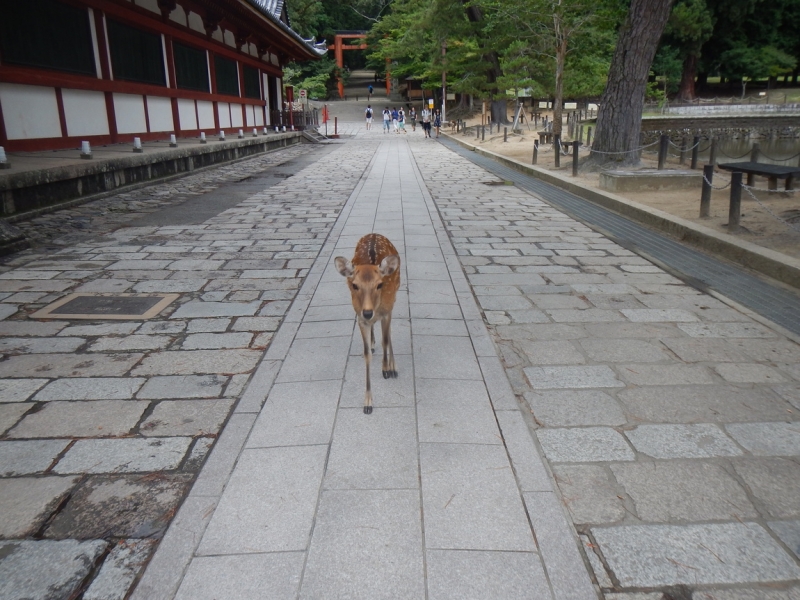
x=771, y=172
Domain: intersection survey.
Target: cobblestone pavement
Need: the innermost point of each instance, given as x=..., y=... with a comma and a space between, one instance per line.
x=66, y=226
x=104, y=424
x=670, y=421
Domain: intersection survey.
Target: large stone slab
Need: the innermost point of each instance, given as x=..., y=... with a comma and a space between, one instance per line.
x=315, y=360
x=592, y=376
x=128, y=455
x=650, y=180
x=701, y=404
x=470, y=499
x=366, y=545
x=196, y=362
x=269, y=502
x=571, y=408
x=457, y=574
x=182, y=386
x=702, y=440
x=672, y=491
x=91, y=388
x=274, y=576
x=391, y=461
x=552, y=352
x=68, y=365
x=589, y=493
x=119, y=570
x=768, y=439
x=98, y=418
x=19, y=390
x=773, y=483
x=186, y=418
x=46, y=569
x=10, y=415
x=445, y=357
x=590, y=444
x=660, y=555
x=296, y=414
x=27, y=457
x=27, y=502
x=119, y=506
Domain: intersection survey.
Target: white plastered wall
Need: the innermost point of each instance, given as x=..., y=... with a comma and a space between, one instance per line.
x=224, y=114
x=29, y=111
x=85, y=112
x=129, y=112
x=236, y=115
x=187, y=114
x=205, y=112
x=159, y=113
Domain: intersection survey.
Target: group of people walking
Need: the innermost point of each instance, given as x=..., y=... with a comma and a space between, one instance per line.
x=395, y=119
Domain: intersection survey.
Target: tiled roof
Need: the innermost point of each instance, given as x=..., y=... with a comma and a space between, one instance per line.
x=274, y=9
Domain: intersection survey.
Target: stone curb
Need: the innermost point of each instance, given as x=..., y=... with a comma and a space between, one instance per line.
x=768, y=262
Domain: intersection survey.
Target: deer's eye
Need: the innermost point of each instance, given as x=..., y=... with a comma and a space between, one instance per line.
x=380, y=285
x=355, y=287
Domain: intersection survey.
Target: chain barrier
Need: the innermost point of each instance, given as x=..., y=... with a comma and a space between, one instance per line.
x=762, y=205
x=732, y=157
x=688, y=148
x=713, y=186
x=768, y=157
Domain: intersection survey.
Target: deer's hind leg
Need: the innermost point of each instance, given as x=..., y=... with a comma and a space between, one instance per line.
x=366, y=333
x=389, y=367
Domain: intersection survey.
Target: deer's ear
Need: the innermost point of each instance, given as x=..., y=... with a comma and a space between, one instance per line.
x=389, y=265
x=344, y=266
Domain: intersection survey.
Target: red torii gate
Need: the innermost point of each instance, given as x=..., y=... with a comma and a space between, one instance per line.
x=339, y=47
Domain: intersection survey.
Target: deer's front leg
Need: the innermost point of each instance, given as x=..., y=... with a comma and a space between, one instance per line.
x=389, y=368
x=365, y=336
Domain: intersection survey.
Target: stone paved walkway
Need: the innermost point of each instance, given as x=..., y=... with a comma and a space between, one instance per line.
x=551, y=384
x=104, y=425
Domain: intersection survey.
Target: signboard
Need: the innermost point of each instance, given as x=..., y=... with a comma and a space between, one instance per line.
x=430, y=102
x=302, y=94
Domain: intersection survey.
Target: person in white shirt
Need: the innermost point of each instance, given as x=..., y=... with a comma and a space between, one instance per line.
x=368, y=114
x=426, y=122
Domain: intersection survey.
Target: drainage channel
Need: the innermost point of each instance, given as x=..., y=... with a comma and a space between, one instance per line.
x=704, y=272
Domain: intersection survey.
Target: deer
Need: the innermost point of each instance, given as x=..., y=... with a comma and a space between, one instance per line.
x=373, y=277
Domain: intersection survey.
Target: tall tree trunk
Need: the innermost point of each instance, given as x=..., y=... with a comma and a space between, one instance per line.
x=558, y=100
x=619, y=119
x=686, y=91
x=499, y=107
x=702, y=81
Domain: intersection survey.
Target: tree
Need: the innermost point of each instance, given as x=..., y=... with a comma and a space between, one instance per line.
x=619, y=118
x=549, y=28
x=754, y=63
x=689, y=27
x=413, y=35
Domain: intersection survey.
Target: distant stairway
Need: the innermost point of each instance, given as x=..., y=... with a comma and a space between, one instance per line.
x=315, y=137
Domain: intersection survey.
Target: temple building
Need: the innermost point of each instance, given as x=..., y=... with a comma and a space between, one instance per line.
x=105, y=71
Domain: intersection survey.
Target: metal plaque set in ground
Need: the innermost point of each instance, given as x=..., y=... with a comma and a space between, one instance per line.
x=106, y=306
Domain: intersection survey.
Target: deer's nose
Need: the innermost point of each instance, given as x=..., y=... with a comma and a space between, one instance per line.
x=367, y=314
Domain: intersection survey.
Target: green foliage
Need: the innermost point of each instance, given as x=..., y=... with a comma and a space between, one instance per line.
x=754, y=63
x=667, y=68
x=690, y=25
x=752, y=38
x=317, y=77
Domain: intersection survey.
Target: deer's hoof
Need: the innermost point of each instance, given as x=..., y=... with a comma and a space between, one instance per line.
x=367, y=410
x=389, y=374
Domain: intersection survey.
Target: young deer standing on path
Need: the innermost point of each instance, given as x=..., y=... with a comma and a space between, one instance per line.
x=373, y=277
